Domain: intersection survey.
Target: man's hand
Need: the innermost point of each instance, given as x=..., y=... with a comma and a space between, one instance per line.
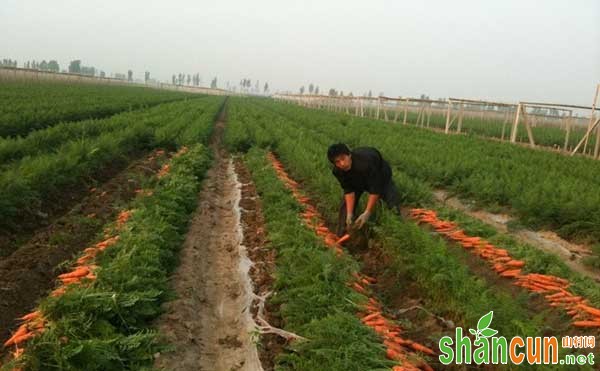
x=349, y=218
x=362, y=219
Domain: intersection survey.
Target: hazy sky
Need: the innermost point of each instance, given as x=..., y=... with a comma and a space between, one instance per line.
x=506, y=50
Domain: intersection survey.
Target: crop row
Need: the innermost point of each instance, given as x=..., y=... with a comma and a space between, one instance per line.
x=29, y=186
x=100, y=318
x=26, y=106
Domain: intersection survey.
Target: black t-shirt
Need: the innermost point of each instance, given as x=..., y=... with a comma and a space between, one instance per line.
x=369, y=172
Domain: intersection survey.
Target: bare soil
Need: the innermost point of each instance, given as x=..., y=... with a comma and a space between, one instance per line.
x=571, y=253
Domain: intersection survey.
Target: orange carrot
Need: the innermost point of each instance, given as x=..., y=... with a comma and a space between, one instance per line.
x=516, y=263
x=422, y=348
x=590, y=310
x=79, y=272
x=31, y=316
x=343, y=239
x=376, y=322
x=586, y=323
x=511, y=273
x=371, y=316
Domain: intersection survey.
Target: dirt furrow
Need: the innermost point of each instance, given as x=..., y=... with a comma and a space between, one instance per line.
x=210, y=323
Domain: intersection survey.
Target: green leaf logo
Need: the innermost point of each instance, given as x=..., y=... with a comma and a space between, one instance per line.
x=483, y=325
x=485, y=321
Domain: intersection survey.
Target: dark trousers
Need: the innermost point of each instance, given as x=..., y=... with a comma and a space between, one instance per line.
x=390, y=197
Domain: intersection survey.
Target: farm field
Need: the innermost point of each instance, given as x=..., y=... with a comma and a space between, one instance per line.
x=196, y=232
x=29, y=106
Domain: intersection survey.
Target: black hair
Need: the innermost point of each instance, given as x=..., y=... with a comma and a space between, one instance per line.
x=337, y=149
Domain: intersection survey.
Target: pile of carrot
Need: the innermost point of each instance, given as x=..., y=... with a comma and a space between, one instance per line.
x=166, y=168
x=397, y=348
x=553, y=288
x=83, y=272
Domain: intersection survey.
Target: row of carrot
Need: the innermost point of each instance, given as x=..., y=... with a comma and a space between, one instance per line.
x=554, y=289
x=82, y=273
x=397, y=348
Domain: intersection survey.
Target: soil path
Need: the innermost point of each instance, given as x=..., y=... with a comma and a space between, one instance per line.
x=210, y=323
x=548, y=241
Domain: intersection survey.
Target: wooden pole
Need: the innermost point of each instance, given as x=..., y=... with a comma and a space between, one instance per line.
x=405, y=111
x=513, y=133
x=592, y=115
x=527, y=126
x=585, y=137
x=428, y=113
x=597, y=147
x=385, y=116
x=568, y=130
x=460, y=118
x=448, y=113
x=396, y=111
x=504, y=124
x=378, y=106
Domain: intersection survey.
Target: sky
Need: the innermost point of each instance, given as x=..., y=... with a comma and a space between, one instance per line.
x=503, y=50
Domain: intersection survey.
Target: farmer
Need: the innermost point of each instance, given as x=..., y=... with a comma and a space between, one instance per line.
x=361, y=170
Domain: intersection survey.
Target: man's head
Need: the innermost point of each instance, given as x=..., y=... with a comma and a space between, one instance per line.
x=339, y=155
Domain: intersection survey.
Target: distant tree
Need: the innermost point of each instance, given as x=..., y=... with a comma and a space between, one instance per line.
x=317, y=90
x=370, y=94
x=302, y=89
x=332, y=92
x=129, y=75
x=75, y=66
x=266, y=88
x=146, y=76
x=350, y=94
x=174, y=79
x=102, y=74
x=311, y=88
x=53, y=66
x=44, y=65
x=189, y=79
x=213, y=83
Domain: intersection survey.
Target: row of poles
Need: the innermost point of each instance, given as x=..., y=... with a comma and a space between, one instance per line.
x=455, y=109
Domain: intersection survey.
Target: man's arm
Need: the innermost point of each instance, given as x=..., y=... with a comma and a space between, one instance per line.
x=349, y=198
x=372, y=202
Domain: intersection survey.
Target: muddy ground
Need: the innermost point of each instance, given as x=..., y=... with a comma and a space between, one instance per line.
x=572, y=254
x=211, y=324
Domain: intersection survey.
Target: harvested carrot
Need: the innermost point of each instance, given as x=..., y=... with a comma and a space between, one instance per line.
x=392, y=354
x=516, y=263
x=343, y=239
x=590, y=310
x=511, y=273
x=79, y=272
x=22, y=330
x=586, y=323
x=359, y=288
x=376, y=322
x=31, y=316
x=371, y=316
x=422, y=348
